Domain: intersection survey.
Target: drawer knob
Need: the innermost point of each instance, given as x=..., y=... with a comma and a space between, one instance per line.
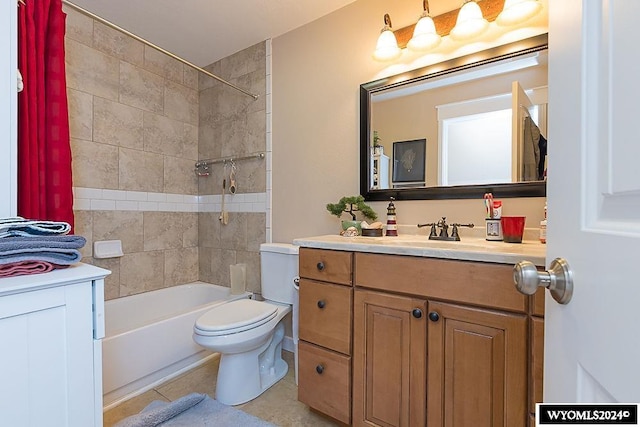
x=321, y=304
x=320, y=266
x=417, y=313
x=434, y=316
x=320, y=369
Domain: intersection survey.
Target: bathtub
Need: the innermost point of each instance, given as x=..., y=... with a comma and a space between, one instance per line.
x=148, y=337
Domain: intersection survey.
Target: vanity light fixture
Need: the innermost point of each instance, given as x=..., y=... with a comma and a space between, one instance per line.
x=470, y=22
x=463, y=24
x=518, y=11
x=387, y=47
x=425, y=36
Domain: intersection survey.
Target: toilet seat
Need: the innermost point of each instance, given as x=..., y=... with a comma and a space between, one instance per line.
x=234, y=317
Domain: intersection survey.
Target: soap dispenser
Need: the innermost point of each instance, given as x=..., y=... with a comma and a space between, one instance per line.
x=392, y=226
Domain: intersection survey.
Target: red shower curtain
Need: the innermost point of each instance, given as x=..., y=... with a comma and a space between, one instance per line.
x=44, y=151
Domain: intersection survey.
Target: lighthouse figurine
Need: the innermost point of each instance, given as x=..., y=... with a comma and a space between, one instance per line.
x=392, y=227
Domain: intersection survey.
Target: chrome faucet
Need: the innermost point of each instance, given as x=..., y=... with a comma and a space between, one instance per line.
x=444, y=230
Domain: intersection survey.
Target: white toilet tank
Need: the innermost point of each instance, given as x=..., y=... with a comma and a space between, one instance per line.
x=278, y=267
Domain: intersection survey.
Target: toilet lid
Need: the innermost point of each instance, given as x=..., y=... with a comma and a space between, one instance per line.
x=235, y=316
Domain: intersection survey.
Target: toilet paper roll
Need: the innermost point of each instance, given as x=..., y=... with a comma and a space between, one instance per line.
x=238, y=278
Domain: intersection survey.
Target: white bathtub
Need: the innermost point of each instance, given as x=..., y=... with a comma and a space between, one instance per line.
x=149, y=337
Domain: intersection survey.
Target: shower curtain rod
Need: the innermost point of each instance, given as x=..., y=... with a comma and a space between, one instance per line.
x=148, y=43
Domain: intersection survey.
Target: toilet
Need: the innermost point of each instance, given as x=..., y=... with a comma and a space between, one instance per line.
x=248, y=333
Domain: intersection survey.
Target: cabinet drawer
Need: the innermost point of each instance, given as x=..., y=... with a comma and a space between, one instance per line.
x=325, y=265
x=325, y=315
x=477, y=283
x=324, y=381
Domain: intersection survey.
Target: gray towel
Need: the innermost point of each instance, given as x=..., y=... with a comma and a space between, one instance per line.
x=62, y=250
x=193, y=410
x=18, y=226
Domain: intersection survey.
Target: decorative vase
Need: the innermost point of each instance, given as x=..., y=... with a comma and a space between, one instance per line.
x=355, y=224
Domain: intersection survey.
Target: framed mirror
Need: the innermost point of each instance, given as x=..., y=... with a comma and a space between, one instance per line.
x=458, y=129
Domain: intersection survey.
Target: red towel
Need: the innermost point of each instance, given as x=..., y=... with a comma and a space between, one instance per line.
x=21, y=268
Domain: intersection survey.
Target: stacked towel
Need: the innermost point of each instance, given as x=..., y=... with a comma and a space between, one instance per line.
x=62, y=250
x=31, y=247
x=18, y=226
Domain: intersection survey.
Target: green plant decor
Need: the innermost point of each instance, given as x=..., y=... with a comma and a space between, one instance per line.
x=351, y=205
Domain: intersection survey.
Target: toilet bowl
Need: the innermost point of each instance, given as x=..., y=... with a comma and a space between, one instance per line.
x=248, y=333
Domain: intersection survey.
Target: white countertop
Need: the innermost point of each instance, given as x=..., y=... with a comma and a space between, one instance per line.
x=468, y=249
x=75, y=273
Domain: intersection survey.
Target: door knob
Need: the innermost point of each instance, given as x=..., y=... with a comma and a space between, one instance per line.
x=558, y=279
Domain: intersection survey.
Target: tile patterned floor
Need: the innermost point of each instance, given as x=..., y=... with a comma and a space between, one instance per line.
x=278, y=405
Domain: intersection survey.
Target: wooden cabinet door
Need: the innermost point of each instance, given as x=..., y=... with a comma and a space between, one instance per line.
x=389, y=366
x=477, y=367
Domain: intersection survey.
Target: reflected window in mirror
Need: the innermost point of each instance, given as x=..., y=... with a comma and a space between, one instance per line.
x=501, y=90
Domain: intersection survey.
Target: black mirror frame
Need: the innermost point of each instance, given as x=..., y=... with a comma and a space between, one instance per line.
x=507, y=190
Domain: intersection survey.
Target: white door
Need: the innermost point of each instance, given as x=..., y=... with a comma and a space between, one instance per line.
x=592, y=344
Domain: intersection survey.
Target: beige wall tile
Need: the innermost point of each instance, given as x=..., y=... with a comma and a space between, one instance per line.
x=117, y=124
x=181, y=103
x=251, y=177
x=83, y=226
x=164, y=230
x=141, y=272
x=80, y=114
x=252, y=259
x=141, y=89
x=244, y=62
x=209, y=229
x=115, y=43
x=94, y=165
x=190, y=77
x=119, y=225
x=180, y=266
x=234, y=234
x=190, y=142
x=190, y=236
x=208, y=147
x=256, y=230
x=206, y=82
x=220, y=262
x=140, y=171
x=163, y=65
x=91, y=71
x=179, y=177
x=205, y=264
x=112, y=281
x=79, y=26
x=163, y=135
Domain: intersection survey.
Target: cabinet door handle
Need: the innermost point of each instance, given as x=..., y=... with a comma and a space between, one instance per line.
x=320, y=369
x=434, y=316
x=320, y=266
x=321, y=303
x=417, y=313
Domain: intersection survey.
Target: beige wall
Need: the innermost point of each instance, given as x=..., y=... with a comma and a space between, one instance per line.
x=317, y=71
x=136, y=118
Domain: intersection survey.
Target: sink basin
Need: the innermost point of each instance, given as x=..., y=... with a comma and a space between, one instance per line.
x=424, y=242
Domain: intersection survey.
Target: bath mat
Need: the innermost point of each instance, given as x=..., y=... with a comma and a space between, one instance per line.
x=192, y=410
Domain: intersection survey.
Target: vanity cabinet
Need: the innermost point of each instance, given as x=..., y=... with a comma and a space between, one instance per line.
x=324, y=349
x=437, y=342
x=464, y=352
x=51, y=326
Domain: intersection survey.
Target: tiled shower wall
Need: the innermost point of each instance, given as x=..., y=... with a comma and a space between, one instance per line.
x=134, y=115
x=233, y=125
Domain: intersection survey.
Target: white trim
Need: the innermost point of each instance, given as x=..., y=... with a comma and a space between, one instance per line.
x=97, y=199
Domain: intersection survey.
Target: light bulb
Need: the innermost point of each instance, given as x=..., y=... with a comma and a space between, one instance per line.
x=470, y=22
x=517, y=11
x=424, y=34
x=387, y=47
